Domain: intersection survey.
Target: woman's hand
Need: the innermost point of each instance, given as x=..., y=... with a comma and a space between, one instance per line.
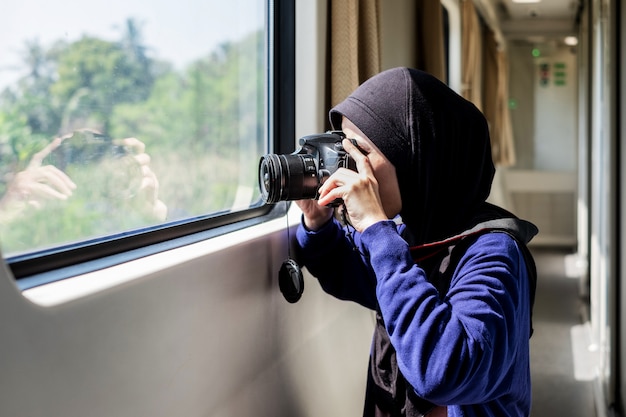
x=315, y=215
x=358, y=190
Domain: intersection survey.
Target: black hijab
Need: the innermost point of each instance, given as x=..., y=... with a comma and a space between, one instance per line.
x=438, y=142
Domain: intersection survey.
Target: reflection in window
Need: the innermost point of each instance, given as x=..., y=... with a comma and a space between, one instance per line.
x=149, y=113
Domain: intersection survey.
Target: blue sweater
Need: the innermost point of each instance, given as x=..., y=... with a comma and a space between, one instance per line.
x=467, y=349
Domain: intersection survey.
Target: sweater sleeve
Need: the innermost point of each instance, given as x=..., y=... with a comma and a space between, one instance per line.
x=469, y=345
x=330, y=257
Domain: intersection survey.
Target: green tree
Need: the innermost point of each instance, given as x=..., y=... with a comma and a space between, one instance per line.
x=31, y=95
x=144, y=68
x=95, y=76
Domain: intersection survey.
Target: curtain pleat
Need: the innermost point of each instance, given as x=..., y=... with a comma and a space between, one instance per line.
x=495, y=101
x=471, y=54
x=506, y=152
x=429, y=39
x=354, y=45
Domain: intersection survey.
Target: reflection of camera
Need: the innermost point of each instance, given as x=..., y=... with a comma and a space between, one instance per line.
x=84, y=147
x=299, y=175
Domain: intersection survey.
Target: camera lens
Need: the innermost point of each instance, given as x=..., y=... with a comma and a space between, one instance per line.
x=287, y=177
x=270, y=178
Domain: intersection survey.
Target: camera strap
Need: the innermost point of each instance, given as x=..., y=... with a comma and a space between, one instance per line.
x=350, y=229
x=290, y=279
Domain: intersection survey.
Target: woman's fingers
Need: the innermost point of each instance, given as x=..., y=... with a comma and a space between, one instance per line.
x=360, y=156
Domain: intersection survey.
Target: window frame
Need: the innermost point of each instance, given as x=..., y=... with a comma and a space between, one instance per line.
x=43, y=266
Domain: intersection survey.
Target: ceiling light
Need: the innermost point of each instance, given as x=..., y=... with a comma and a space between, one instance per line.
x=571, y=40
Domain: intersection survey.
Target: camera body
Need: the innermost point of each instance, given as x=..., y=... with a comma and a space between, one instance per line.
x=299, y=175
x=84, y=147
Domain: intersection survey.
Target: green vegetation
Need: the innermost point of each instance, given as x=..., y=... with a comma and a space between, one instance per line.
x=202, y=127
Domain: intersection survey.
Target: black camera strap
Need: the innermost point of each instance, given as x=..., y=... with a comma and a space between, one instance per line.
x=290, y=279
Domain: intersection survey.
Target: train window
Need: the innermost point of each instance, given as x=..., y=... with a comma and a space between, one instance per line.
x=128, y=123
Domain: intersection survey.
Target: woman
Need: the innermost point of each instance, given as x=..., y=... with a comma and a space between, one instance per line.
x=448, y=274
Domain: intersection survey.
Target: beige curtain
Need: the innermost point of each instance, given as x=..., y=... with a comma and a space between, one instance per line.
x=429, y=38
x=471, y=45
x=354, y=45
x=506, y=152
x=495, y=101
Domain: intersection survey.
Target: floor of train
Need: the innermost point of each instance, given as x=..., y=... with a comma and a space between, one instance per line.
x=559, y=386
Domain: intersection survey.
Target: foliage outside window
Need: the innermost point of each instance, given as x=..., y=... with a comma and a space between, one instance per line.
x=101, y=133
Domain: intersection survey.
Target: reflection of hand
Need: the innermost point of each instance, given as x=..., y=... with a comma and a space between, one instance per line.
x=36, y=184
x=149, y=188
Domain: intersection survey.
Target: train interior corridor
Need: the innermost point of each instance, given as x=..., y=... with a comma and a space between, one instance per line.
x=561, y=354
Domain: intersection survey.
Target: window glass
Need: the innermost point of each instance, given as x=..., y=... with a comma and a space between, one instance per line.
x=117, y=116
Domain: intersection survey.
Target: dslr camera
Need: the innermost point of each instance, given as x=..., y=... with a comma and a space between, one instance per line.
x=84, y=147
x=300, y=175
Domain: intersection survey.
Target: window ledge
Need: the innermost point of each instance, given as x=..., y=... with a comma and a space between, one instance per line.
x=73, y=288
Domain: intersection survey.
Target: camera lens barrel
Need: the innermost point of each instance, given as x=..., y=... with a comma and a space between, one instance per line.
x=288, y=177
